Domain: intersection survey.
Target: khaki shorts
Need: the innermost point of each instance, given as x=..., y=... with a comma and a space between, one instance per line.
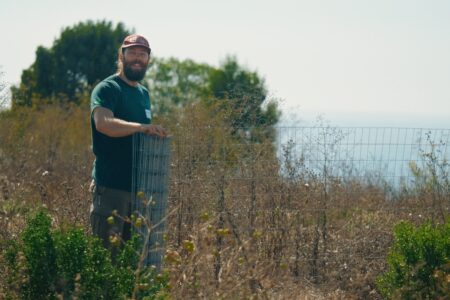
x=104, y=202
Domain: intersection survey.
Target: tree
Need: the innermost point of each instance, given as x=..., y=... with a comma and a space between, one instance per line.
x=174, y=83
x=244, y=93
x=230, y=88
x=79, y=58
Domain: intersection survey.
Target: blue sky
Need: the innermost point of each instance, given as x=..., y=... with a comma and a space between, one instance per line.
x=353, y=58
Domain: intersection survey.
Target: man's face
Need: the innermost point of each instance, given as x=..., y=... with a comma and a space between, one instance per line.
x=135, y=62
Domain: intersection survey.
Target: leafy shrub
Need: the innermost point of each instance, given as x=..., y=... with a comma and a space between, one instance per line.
x=40, y=255
x=419, y=263
x=46, y=263
x=71, y=247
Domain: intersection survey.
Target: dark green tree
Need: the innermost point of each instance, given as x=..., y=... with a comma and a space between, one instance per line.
x=174, y=83
x=80, y=57
x=230, y=88
x=243, y=94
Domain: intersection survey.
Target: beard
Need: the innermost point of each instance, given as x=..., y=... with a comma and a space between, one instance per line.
x=134, y=74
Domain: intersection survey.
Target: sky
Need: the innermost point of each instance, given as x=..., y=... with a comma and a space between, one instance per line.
x=349, y=61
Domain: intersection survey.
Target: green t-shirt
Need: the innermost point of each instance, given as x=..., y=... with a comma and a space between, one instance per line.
x=113, y=156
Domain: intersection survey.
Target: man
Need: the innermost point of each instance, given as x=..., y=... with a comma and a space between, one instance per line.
x=120, y=107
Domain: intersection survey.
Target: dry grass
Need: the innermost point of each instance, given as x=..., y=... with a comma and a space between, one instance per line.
x=240, y=230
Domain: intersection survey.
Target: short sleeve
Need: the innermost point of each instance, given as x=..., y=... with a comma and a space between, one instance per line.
x=106, y=95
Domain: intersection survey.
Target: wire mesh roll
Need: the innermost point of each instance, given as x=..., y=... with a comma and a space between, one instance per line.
x=150, y=178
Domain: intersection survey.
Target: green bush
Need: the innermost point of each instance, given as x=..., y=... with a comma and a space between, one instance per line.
x=419, y=263
x=46, y=263
x=40, y=255
x=71, y=247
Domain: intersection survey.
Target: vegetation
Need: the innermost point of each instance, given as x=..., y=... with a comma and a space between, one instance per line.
x=83, y=55
x=237, y=93
x=87, y=53
x=69, y=263
x=249, y=218
x=418, y=264
x=239, y=227
x=175, y=84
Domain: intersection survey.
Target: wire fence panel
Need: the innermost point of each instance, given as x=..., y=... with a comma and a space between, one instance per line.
x=312, y=203
x=378, y=155
x=310, y=199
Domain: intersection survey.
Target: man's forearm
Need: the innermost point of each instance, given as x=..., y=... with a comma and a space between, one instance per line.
x=106, y=123
x=114, y=127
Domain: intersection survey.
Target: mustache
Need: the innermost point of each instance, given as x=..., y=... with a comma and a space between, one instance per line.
x=134, y=61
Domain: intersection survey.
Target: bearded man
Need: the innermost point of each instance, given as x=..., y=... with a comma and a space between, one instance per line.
x=120, y=107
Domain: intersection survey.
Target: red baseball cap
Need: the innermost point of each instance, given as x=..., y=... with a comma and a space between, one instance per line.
x=135, y=40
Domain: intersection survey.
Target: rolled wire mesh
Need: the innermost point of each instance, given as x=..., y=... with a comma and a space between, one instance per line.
x=150, y=177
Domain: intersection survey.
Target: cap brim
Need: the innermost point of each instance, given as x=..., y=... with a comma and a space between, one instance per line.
x=133, y=45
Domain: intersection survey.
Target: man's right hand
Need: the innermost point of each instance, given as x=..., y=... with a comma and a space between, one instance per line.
x=157, y=130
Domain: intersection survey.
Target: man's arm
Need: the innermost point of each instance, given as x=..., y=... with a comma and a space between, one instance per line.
x=106, y=123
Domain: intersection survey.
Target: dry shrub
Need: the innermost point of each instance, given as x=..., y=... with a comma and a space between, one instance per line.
x=250, y=221
x=45, y=160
